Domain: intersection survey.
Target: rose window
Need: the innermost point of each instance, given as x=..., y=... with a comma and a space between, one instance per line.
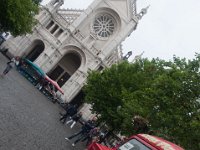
x=104, y=26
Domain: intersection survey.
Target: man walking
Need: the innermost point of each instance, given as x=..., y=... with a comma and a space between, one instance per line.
x=86, y=128
x=71, y=110
x=10, y=65
x=91, y=135
x=74, y=119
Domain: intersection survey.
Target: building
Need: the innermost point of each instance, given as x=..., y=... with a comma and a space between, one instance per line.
x=68, y=43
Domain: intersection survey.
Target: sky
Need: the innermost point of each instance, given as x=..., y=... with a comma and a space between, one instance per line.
x=170, y=27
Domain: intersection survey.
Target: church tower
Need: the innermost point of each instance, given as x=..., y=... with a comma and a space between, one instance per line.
x=68, y=43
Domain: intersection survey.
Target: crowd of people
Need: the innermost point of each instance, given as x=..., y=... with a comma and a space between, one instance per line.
x=89, y=131
x=39, y=81
x=47, y=89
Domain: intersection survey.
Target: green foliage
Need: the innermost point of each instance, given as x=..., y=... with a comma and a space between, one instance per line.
x=163, y=92
x=17, y=16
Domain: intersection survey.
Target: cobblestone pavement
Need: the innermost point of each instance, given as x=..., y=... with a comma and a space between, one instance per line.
x=28, y=120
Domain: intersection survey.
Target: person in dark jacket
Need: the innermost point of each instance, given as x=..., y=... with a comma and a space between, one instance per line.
x=86, y=128
x=74, y=119
x=9, y=66
x=91, y=135
x=71, y=110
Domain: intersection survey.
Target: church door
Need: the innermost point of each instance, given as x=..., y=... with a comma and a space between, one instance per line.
x=65, y=68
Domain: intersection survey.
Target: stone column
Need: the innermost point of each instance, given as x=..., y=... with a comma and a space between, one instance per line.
x=52, y=27
x=74, y=85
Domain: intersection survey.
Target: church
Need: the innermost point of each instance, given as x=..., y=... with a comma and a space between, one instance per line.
x=69, y=43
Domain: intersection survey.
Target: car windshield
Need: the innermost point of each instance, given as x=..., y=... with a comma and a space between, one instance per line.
x=133, y=144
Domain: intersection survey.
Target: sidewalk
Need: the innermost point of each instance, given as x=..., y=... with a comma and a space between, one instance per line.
x=29, y=121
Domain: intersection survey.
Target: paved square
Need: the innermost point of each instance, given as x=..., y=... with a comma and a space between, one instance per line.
x=28, y=120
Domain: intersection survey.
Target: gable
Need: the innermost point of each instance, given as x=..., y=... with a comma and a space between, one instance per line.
x=124, y=7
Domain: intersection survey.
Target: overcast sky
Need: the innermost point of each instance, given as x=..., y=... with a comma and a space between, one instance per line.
x=171, y=27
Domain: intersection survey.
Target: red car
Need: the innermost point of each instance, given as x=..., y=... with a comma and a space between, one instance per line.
x=140, y=142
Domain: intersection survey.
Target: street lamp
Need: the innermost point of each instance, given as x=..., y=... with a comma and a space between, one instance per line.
x=127, y=55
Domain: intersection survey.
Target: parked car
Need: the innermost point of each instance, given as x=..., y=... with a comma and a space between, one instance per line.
x=139, y=142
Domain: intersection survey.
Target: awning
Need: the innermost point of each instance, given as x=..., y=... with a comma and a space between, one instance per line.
x=54, y=83
x=36, y=67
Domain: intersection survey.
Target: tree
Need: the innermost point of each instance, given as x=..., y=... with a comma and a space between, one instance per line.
x=162, y=93
x=17, y=16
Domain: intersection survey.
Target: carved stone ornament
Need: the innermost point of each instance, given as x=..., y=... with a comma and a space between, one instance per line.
x=103, y=26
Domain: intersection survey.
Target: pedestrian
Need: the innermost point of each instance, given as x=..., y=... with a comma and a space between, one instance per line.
x=52, y=93
x=40, y=83
x=102, y=137
x=71, y=110
x=74, y=119
x=87, y=126
x=9, y=66
x=17, y=61
x=91, y=135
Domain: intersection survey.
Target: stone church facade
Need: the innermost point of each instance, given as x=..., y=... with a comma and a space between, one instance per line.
x=68, y=43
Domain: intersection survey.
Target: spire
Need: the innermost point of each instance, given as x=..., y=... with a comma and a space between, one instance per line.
x=125, y=7
x=54, y=4
x=137, y=57
x=143, y=12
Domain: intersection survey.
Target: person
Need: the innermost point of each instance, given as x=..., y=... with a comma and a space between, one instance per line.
x=53, y=95
x=91, y=135
x=86, y=128
x=65, y=106
x=43, y=86
x=17, y=61
x=71, y=110
x=48, y=89
x=74, y=119
x=102, y=136
x=121, y=141
x=10, y=65
x=40, y=83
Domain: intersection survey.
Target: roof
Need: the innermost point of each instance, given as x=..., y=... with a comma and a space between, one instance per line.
x=159, y=143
